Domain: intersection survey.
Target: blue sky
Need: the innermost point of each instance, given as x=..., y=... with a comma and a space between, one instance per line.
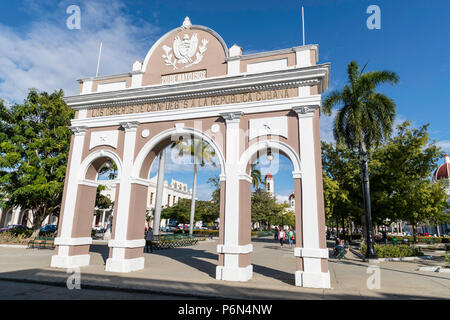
x=37, y=50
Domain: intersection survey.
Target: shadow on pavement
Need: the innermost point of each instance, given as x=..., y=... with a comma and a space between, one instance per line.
x=192, y=258
x=214, y=290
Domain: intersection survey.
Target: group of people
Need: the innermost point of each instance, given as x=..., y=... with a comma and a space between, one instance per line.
x=282, y=236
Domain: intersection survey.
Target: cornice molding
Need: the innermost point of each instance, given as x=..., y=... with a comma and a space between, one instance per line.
x=316, y=75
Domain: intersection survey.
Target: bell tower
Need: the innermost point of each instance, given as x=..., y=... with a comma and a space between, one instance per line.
x=270, y=184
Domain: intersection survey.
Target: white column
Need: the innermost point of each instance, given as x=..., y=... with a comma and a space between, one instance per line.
x=159, y=193
x=17, y=215
x=312, y=275
x=62, y=259
x=118, y=263
x=103, y=218
x=230, y=270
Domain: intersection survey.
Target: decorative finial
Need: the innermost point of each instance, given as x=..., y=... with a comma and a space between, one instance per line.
x=187, y=23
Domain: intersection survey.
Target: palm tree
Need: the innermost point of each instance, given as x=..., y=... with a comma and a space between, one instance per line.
x=201, y=153
x=256, y=176
x=364, y=119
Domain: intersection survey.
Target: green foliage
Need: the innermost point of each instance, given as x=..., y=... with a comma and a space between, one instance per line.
x=102, y=201
x=211, y=233
x=401, y=184
x=256, y=176
x=34, y=146
x=397, y=251
x=341, y=184
x=205, y=211
x=15, y=237
x=401, y=188
x=365, y=117
x=428, y=240
x=267, y=211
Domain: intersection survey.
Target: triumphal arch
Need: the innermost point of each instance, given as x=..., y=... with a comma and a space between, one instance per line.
x=192, y=84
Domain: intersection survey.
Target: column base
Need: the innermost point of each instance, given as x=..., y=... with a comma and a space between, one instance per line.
x=312, y=279
x=125, y=265
x=67, y=262
x=234, y=274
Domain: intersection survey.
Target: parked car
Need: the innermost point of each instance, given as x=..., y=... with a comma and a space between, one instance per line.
x=99, y=229
x=49, y=228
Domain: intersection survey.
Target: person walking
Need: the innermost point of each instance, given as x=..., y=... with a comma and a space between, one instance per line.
x=276, y=233
x=282, y=235
x=291, y=238
x=148, y=240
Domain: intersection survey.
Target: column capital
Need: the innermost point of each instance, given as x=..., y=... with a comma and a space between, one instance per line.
x=130, y=126
x=246, y=177
x=297, y=175
x=232, y=116
x=305, y=111
x=79, y=130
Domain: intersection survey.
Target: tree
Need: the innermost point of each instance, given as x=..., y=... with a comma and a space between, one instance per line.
x=256, y=176
x=201, y=153
x=364, y=119
x=215, y=197
x=102, y=202
x=34, y=147
x=180, y=212
x=341, y=183
x=401, y=171
x=265, y=210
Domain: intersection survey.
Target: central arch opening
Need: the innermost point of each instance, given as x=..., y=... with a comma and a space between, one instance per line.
x=192, y=166
x=272, y=207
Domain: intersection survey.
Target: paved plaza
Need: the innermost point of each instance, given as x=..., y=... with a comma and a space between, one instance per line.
x=190, y=272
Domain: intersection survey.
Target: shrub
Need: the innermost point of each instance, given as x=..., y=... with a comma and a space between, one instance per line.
x=447, y=258
x=21, y=232
x=212, y=233
x=397, y=251
x=428, y=240
x=13, y=237
x=48, y=234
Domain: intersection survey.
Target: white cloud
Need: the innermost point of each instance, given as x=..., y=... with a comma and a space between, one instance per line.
x=281, y=198
x=326, y=127
x=444, y=144
x=48, y=56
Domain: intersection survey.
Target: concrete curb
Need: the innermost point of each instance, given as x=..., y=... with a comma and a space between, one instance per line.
x=117, y=288
x=435, y=269
x=19, y=246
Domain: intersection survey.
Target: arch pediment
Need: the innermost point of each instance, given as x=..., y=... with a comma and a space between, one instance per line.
x=189, y=52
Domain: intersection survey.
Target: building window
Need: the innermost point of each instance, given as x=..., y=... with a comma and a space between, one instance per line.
x=168, y=200
x=151, y=198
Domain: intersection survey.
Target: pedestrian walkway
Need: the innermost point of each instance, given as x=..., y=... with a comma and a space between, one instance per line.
x=190, y=272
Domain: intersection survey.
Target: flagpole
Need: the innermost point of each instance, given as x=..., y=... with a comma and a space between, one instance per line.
x=99, y=56
x=303, y=24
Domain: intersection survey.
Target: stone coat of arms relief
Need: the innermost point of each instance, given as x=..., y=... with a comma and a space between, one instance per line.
x=184, y=51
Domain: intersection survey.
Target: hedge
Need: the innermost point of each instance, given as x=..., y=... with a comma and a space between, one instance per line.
x=421, y=239
x=397, y=251
x=211, y=233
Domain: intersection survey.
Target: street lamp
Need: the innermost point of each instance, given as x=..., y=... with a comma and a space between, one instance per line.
x=270, y=155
